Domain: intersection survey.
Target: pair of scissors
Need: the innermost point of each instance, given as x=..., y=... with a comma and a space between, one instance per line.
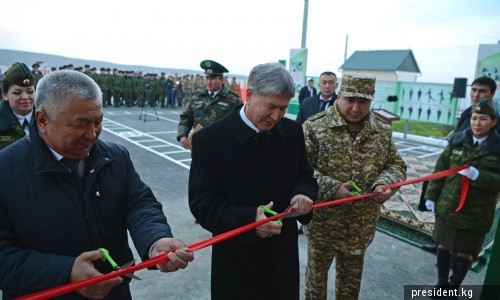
x=291, y=215
x=115, y=265
x=357, y=191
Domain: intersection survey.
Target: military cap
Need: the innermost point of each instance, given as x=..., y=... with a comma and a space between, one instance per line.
x=358, y=86
x=53, y=69
x=18, y=74
x=35, y=65
x=212, y=68
x=486, y=106
x=87, y=66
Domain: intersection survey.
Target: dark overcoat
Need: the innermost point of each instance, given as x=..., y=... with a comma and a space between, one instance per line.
x=10, y=130
x=233, y=171
x=47, y=218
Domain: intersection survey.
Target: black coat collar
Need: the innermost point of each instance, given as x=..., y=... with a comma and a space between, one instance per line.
x=242, y=131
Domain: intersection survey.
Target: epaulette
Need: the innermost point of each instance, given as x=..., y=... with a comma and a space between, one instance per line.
x=382, y=119
x=317, y=116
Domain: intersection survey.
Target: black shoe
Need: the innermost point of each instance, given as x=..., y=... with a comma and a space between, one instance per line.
x=429, y=247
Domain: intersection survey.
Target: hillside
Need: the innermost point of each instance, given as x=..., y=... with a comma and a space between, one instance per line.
x=7, y=57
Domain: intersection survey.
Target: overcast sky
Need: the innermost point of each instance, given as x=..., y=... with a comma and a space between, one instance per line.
x=443, y=34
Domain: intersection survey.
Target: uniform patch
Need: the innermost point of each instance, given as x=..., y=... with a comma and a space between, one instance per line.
x=6, y=138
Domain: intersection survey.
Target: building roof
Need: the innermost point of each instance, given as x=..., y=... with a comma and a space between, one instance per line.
x=382, y=60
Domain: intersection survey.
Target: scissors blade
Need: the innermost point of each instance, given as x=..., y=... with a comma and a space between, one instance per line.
x=291, y=215
x=126, y=266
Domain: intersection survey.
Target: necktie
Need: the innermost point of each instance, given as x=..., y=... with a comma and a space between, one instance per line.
x=476, y=144
x=212, y=95
x=25, y=123
x=323, y=105
x=73, y=165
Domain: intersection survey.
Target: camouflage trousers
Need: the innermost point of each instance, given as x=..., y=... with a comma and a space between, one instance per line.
x=348, y=271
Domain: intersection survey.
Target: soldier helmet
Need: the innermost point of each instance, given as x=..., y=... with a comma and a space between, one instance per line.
x=213, y=68
x=358, y=86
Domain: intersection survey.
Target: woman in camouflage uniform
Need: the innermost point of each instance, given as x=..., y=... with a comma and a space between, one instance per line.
x=463, y=232
x=18, y=91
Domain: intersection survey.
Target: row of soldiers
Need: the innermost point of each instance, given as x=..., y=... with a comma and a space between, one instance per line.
x=132, y=88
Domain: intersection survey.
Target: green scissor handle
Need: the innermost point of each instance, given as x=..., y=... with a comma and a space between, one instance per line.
x=270, y=211
x=357, y=190
x=108, y=258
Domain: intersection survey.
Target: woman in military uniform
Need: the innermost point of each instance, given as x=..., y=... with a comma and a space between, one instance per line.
x=463, y=232
x=18, y=92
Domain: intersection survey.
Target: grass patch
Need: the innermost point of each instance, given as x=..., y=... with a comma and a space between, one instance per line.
x=422, y=128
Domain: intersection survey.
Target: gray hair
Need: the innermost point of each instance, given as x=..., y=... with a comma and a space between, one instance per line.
x=52, y=90
x=271, y=79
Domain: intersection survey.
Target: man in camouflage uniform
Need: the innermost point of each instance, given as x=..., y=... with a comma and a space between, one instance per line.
x=37, y=74
x=347, y=142
x=187, y=86
x=208, y=104
x=198, y=83
x=234, y=85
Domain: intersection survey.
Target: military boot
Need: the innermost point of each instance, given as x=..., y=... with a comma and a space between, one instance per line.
x=460, y=268
x=443, y=266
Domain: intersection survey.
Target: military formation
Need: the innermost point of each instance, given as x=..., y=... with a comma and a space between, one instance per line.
x=133, y=88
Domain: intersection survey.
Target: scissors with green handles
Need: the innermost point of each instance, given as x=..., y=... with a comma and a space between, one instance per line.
x=115, y=265
x=272, y=212
x=355, y=189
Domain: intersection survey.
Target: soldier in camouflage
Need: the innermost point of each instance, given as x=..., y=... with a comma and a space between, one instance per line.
x=198, y=83
x=187, y=86
x=208, y=104
x=347, y=142
x=37, y=74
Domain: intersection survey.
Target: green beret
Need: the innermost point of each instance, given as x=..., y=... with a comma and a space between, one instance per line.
x=358, y=86
x=18, y=74
x=212, y=68
x=486, y=107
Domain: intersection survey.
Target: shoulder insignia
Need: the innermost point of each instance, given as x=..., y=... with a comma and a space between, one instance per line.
x=317, y=116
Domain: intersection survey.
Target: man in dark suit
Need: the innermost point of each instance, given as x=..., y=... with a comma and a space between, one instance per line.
x=250, y=158
x=307, y=91
x=315, y=104
x=482, y=87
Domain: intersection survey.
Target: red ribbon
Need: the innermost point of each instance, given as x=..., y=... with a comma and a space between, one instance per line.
x=160, y=259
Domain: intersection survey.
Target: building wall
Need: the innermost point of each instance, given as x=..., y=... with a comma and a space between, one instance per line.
x=380, y=75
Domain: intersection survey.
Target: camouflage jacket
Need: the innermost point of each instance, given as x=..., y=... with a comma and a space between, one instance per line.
x=201, y=110
x=478, y=211
x=10, y=130
x=369, y=160
x=187, y=86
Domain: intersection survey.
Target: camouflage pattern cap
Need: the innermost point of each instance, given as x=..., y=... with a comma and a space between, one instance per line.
x=19, y=74
x=486, y=107
x=358, y=86
x=212, y=68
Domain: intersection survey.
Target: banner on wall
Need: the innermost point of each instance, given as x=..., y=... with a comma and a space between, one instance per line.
x=298, y=67
x=488, y=64
x=426, y=102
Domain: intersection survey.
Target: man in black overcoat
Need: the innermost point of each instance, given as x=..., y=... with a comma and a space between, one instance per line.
x=254, y=157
